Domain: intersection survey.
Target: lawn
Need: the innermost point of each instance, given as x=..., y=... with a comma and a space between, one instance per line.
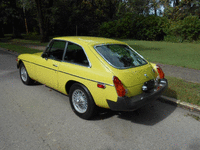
x=182, y=90
x=177, y=54
x=18, y=48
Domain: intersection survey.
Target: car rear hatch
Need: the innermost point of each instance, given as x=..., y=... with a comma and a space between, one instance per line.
x=128, y=66
x=134, y=78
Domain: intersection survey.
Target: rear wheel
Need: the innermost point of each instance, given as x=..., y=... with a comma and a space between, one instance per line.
x=81, y=101
x=24, y=75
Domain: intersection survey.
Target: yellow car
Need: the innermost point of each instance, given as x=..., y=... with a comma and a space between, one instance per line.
x=94, y=72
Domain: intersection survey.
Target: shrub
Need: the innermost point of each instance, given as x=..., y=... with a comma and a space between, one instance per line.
x=135, y=27
x=186, y=29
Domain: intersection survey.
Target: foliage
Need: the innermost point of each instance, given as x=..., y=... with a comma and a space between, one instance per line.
x=135, y=27
x=186, y=29
x=135, y=19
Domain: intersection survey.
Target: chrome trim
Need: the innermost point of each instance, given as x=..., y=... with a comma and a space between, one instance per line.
x=90, y=65
x=65, y=50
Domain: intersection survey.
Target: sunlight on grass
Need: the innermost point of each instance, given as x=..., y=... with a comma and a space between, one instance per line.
x=182, y=90
x=178, y=54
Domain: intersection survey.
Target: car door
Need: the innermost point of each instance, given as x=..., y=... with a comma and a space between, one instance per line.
x=75, y=65
x=47, y=70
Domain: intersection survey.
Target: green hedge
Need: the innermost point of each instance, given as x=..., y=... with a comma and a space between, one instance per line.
x=134, y=27
x=186, y=29
x=152, y=28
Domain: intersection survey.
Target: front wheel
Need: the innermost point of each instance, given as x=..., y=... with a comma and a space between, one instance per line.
x=81, y=101
x=24, y=75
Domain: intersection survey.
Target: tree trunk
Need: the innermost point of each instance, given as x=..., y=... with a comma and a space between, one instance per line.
x=16, y=31
x=15, y=20
x=43, y=31
x=155, y=11
x=1, y=30
x=176, y=2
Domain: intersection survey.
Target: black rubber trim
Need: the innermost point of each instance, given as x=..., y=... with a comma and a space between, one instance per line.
x=133, y=103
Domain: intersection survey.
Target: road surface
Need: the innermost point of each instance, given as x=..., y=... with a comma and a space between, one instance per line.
x=39, y=118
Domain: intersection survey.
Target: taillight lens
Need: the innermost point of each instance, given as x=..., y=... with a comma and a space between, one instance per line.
x=101, y=85
x=160, y=72
x=119, y=87
x=16, y=59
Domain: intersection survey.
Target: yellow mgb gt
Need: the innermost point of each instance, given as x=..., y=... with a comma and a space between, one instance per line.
x=94, y=72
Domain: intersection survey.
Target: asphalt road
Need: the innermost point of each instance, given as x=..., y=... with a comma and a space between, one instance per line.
x=39, y=118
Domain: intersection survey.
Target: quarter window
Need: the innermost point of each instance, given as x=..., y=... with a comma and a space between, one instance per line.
x=75, y=54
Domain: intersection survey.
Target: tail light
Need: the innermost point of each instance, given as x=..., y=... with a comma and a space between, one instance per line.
x=16, y=59
x=160, y=72
x=119, y=87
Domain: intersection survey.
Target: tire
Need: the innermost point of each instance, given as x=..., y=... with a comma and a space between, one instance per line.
x=24, y=75
x=82, y=102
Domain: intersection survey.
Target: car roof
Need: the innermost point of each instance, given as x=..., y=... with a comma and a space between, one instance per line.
x=89, y=40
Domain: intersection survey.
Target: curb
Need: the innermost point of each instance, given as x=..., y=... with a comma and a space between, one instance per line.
x=10, y=51
x=176, y=102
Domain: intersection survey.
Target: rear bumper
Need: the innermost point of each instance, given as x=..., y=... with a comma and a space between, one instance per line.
x=133, y=103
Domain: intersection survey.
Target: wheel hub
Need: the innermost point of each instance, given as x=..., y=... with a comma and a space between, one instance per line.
x=79, y=101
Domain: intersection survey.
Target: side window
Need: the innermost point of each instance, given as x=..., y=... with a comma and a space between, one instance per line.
x=56, y=49
x=75, y=54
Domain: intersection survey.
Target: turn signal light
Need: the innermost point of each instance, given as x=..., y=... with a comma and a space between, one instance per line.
x=119, y=87
x=101, y=85
x=160, y=72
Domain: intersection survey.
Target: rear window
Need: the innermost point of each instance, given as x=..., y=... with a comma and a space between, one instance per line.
x=120, y=56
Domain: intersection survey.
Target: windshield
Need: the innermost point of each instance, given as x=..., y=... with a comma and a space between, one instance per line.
x=120, y=56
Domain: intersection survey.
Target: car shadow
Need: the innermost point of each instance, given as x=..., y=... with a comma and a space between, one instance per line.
x=150, y=114
x=35, y=83
x=170, y=93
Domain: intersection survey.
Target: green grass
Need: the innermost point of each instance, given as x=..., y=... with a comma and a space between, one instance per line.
x=177, y=54
x=183, y=90
x=24, y=42
x=18, y=48
x=26, y=39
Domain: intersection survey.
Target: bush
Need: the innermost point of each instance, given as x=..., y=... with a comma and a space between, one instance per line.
x=175, y=39
x=135, y=27
x=186, y=29
x=107, y=29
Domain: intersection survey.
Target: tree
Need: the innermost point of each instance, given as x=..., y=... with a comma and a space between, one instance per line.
x=179, y=9
x=10, y=14
x=155, y=5
x=139, y=6
x=1, y=20
x=15, y=19
x=43, y=11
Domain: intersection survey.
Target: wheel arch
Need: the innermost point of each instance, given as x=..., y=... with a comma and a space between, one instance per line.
x=69, y=84
x=19, y=63
x=72, y=82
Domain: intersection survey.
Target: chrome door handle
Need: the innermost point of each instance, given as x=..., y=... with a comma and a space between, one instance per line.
x=55, y=65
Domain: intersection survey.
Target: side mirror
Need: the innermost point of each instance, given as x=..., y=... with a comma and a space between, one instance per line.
x=45, y=55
